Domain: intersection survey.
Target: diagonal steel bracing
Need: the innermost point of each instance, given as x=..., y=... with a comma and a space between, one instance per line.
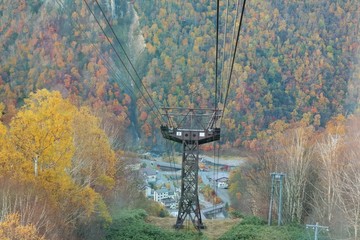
x=189, y=201
x=191, y=131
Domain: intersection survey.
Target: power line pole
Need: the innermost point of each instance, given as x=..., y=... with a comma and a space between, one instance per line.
x=271, y=201
x=193, y=128
x=316, y=228
x=276, y=178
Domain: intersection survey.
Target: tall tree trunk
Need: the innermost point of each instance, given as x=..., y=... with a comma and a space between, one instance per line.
x=36, y=162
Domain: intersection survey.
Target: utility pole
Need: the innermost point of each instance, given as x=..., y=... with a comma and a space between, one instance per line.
x=190, y=127
x=276, y=178
x=316, y=228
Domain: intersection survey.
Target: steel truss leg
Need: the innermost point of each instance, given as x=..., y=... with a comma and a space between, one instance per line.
x=189, y=200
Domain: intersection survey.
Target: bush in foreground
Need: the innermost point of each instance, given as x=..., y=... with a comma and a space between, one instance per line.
x=256, y=229
x=131, y=224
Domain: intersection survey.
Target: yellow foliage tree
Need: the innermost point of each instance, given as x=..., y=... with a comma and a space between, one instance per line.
x=43, y=134
x=94, y=160
x=3, y=160
x=42, y=131
x=12, y=229
x=8, y=154
x=2, y=107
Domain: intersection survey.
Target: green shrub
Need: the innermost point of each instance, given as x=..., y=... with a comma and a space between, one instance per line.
x=236, y=214
x=252, y=220
x=254, y=228
x=131, y=224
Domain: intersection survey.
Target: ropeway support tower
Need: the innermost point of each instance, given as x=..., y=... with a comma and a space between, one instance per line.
x=191, y=127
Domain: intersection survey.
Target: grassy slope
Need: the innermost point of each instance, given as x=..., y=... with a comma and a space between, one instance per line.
x=137, y=224
x=214, y=228
x=249, y=228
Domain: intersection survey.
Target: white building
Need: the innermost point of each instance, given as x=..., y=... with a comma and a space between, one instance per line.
x=149, y=192
x=222, y=182
x=162, y=194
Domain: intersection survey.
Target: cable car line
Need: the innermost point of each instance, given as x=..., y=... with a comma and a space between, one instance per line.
x=217, y=53
x=233, y=58
x=159, y=116
x=116, y=76
x=224, y=47
x=127, y=57
x=106, y=61
x=225, y=71
x=114, y=73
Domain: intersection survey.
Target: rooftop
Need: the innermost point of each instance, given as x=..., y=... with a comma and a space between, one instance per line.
x=148, y=171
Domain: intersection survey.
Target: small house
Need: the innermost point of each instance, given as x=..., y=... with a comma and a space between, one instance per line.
x=149, y=174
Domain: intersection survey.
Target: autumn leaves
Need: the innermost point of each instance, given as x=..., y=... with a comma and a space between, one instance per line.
x=322, y=180
x=56, y=164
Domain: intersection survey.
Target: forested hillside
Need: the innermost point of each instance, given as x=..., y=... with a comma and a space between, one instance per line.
x=58, y=46
x=64, y=121
x=295, y=59
x=80, y=82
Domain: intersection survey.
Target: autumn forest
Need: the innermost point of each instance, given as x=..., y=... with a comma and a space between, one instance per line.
x=78, y=97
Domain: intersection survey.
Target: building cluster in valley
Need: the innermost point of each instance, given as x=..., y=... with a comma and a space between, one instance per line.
x=162, y=180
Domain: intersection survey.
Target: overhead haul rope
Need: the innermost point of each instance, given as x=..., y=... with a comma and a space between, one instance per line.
x=114, y=73
x=233, y=58
x=127, y=57
x=224, y=47
x=226, y=71
x=106, y=62
x=217, y=52
x=230, y=75
x=159, y=116
x=215, y=165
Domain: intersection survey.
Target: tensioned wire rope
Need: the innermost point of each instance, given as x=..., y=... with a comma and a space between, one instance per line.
x=216, y=65
x=216, y=71
x=152, y=106
x=114, y=73
x=215, y=164
x=216, y=170
x=224, y=47
x=225, y=69
x=131, y=64
x=233, y=57
x=234, y=49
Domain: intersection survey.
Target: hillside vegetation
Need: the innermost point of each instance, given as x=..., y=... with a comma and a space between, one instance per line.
x=73, y=111
x=136, y=224
x=295, y=60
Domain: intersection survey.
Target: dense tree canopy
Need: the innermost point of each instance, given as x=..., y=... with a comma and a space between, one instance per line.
x=49, y=173
x=294, y=60
x=70, y=102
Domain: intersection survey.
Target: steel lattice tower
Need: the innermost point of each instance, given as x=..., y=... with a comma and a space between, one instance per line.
x=191, y=127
